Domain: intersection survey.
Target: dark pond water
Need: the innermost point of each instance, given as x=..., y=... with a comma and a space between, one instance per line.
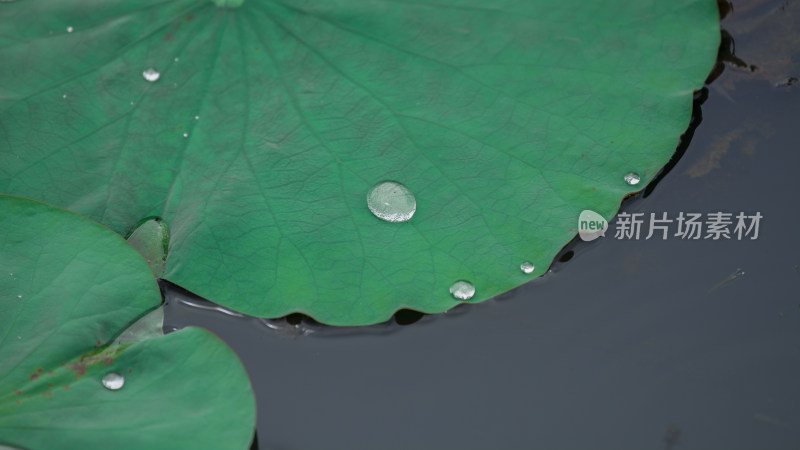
x=645, y=344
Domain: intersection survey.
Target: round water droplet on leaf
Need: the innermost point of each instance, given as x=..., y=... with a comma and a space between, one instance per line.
x=151, y=75
x=113, y=381
x=391, y=201
x=70, y=29
x=462, y=290
x=632, y=178
x=527, y=267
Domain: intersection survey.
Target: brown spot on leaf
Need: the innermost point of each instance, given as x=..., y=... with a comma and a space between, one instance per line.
x=18, y=392
x=47, y=394
x=106, y=356
x=79, y=368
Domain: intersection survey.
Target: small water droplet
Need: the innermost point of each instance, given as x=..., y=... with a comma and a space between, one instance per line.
x=186, y=135
x=113, y=381
x=131, y=103
x=632, y=178
x=196, y=117
x=19, y=296
x=64, y=96
x=70, y=29
x=176, y=59
x=19, y=337
x=391, y=201
x=526, y=267
x=462, y=290
x=151, y=75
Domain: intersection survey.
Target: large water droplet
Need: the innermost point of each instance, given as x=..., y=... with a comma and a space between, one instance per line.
x=462, y=290
x=632, y=178
x=113, y=381
x=151, y=75
x=527, y=267
x=391, y=201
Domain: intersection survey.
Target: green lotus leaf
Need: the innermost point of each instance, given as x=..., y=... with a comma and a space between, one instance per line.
x=68, y=288
x=256, y=130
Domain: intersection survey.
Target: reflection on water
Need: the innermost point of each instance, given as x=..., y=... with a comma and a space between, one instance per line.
x=179, y=303
x=736, y=274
